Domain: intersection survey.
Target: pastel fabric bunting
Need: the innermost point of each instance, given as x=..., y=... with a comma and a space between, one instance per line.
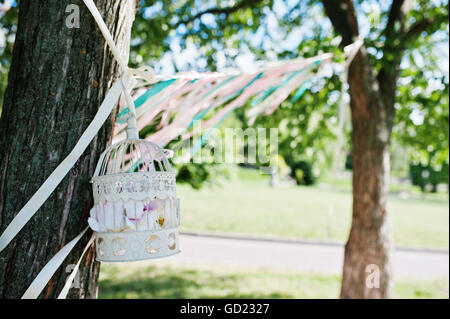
x=174, y=104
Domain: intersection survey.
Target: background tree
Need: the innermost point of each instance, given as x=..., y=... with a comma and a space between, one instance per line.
x=58, y=78
x=373, y=90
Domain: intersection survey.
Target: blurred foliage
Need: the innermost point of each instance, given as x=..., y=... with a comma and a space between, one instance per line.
x=302, y=173
x=195, y=174
x=422, y=176
x=221, y=31
x=422, y=121
x=307, y=127
x=281, y=166
x=280, y=29
x=421, y=125
x=8, y=27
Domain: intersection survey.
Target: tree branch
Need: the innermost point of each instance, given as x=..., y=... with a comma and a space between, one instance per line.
x=343, y=17
x=227, y=11
x=393, y=50
x=424, y=25
x=396, y=14
x=395, y=29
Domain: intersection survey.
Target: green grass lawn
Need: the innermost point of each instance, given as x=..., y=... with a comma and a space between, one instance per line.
x=246, y=204
x=162, y=279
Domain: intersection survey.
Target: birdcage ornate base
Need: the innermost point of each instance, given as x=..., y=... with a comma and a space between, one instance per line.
x=138, y=245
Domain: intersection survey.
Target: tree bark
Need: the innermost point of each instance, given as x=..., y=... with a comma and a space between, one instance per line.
x=367, y=270
x=58, y=78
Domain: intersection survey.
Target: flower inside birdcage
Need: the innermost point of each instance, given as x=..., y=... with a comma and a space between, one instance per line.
x=134, y=215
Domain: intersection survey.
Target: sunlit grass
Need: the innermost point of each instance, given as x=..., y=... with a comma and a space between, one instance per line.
x=247, y=204
x=161, y=279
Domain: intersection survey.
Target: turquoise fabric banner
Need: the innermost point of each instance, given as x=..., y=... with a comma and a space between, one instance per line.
x=155, y=89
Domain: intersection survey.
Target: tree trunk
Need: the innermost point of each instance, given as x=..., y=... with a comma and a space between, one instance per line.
x=58, y=78
x=367, y=268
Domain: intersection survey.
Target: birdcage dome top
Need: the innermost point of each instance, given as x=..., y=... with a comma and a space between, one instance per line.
x=130, y=156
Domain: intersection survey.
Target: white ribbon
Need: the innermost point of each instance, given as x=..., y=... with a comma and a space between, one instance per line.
x=106, y=34
x=351, y=50
x=58, y=174
x=145, y=72
x=66, y=288
x=44, y=276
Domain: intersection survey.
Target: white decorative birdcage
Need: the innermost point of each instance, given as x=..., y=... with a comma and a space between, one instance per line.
x=136, y=212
